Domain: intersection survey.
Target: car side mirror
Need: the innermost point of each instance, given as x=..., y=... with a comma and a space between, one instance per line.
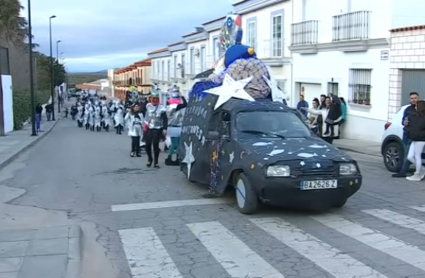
x=213, y=135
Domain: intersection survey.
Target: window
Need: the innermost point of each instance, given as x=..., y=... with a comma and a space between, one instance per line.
x=203, y=58
x=162, y=70
x=175, y=66
x=192, y=61
x=277, y=35
x=183, y=64
x=272, y=124
x=4, y=61
x=360, y=86
x=333, y=88
x=216, y=49
x=252, y=33
x=168, y=69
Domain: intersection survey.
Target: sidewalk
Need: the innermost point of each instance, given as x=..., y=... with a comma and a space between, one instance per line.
x=359, y=146
x=16, y=142
x=52, y=252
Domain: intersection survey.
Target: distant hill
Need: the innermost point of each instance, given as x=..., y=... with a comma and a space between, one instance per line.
x=86, y=77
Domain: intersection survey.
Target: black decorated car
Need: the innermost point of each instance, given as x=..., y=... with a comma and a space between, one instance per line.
x=267, y=153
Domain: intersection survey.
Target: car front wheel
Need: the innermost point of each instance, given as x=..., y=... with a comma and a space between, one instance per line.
x=246, y=197
x=393, y=156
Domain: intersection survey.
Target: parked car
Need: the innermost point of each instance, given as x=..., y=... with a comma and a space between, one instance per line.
x=265, y=152
x=392, y=142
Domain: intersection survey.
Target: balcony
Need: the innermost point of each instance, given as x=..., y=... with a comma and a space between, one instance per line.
x=351, y=26
x=177, y=74
x=304, y=33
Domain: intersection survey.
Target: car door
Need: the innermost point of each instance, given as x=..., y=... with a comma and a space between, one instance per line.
x=221, y=151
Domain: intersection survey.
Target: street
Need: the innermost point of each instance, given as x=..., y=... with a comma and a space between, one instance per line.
x=145, y=222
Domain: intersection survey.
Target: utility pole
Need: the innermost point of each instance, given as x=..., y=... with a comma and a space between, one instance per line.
x=2, y=131
x=34, y=131
x=57, y=61
x=52, y=73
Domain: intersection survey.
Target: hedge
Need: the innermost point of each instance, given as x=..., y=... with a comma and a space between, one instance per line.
x=22, y=105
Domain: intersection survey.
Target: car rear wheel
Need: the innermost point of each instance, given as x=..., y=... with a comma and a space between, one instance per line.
x=246, y=197
x=393, y=156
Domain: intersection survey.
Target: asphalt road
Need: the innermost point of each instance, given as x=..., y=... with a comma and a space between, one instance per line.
x=379, y=233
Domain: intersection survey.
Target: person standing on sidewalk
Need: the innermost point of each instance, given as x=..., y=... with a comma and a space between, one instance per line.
x=49, y=109
x=414, y=98
x=415, y=131
x=38, y=112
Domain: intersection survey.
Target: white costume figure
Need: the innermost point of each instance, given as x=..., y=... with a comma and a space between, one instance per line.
x=97, y=117
x=86, y=116
x=119, y=118
x=91, y=117
x=80, y=114
x=106, y=117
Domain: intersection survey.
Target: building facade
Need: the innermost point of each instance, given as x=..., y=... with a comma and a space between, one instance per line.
x=407, y=66
x=266, y=25
x=137, y=74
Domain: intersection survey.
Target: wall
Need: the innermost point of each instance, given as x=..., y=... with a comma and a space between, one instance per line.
x=19, y=66
x=324, y=10
x=407, y=52
x=196, y=45
x=210, y=47
x=7, y=102
x=318, y=69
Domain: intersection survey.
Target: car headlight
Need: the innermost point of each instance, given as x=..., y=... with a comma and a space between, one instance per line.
x=278, y=171
x=347, y=169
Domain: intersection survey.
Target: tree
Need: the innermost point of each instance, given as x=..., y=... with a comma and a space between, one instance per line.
x=13, y=27
x=43, y=72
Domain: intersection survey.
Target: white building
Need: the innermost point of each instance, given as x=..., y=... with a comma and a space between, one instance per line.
x=178, y=55
x=196, y=62
x=266, y=25
x=342, y=47
x=161, y=68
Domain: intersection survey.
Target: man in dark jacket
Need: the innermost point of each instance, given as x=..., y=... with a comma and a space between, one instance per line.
x=414, y=97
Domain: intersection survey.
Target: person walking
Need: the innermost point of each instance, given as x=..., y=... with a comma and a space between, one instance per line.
x=134, y=121
x=155, y=126
x=415, y=131
x=411, y=109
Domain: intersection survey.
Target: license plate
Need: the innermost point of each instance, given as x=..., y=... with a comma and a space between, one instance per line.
x=319, y=184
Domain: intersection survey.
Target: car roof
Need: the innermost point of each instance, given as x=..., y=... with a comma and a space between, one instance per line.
x=237, y=105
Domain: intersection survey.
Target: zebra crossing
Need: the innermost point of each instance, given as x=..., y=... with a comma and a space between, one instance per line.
x=148, y=257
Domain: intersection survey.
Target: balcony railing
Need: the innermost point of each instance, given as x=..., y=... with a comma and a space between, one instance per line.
x=305, y=32
x=351, y=26
x=177, y=73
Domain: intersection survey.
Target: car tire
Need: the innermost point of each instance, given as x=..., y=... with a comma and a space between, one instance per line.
x=340, y=203
x=246, y=197
x=393, y=157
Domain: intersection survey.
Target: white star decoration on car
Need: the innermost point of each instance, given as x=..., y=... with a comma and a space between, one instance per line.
x=230, y=89
x=277, y=94
x=188, y=158
x=318, y=165
x=231, y=157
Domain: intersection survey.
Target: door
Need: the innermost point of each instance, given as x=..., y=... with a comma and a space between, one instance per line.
x=220, y=150
x=311, y=91
x=412, y=81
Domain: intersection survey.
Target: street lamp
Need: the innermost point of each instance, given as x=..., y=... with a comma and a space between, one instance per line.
x=57, y=61
x=52, y=74
x=34, y=131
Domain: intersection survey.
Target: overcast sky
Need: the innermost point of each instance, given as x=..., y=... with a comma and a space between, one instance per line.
x=97, y=35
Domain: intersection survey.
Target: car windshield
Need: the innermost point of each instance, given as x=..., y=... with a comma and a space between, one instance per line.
x=272, y=123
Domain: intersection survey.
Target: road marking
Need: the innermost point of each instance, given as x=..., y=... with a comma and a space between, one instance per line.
x=398, y=249
x=233, y=255
x=398, y=219
x=322, y=254
x=419, y=208
x=146, y=255
x=169, y=204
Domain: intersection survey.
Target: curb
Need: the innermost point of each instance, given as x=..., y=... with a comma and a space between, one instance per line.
x=16, y=155
x=75, y=252
x=356, y=151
